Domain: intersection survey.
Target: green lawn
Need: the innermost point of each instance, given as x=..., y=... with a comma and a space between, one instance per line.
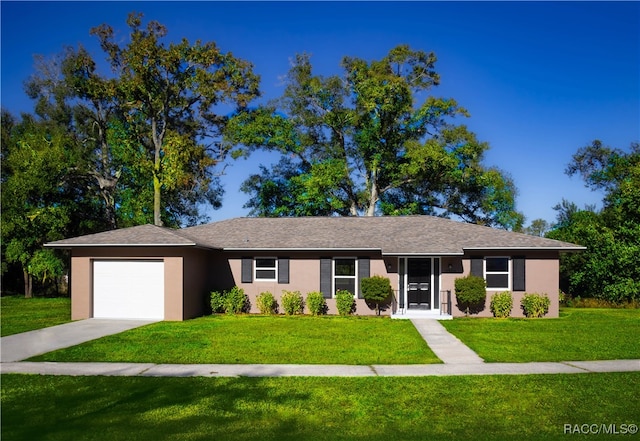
x=260, y=339
x=532, y=407
x=18, y=314
x=579, y=334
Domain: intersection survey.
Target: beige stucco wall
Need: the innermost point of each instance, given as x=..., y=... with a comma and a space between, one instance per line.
x=541, y=277
x=185, y=278
x=191, y=274
x=304, y=276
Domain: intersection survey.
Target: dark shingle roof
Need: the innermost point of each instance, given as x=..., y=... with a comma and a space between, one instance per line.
x=141, y=235
x=390, y=235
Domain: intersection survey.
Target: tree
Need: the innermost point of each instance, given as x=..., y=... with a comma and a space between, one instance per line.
x=538, y=227
x=609, y=268
x=169, y=95
x=69, y=91
x=367, y=143
x=376, y=290
x=41, y=196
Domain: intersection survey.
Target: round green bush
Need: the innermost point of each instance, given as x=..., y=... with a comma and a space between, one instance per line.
x=316, y=303
x=345, y=302
x=501, y=304
x=292, y=302
x=471, y=293
x=235, y=301
x=217, y=302
x=535, y=305
x=267, y=303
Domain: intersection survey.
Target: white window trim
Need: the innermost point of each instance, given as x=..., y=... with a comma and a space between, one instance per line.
x=256, y=268
x=508, y=272
x=333, y=275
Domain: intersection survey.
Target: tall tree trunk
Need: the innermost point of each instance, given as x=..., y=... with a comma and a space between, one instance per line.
x=373, y=194
x=157, y=186
x=28, y=284
x=107, y=185
x=157, y=167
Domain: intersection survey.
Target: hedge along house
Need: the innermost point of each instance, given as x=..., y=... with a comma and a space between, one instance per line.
x=154, y=272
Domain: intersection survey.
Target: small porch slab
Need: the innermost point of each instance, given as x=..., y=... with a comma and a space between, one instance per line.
x=420, y=314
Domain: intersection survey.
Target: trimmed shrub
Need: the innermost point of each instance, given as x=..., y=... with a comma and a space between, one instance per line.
x=292, y=302
x=535, y=305
x=233, y=301
x=316, y=303
x=471, y=293
x=236, y=301
x=345, y=302
x=217, y=302
x=501, y=304
x=376, y=290
x=267, y=303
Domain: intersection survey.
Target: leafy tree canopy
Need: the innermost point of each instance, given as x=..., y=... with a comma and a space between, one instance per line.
x=371, y=141
x=609, y=268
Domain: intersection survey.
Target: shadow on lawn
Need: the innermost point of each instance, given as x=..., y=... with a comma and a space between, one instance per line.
x=144, y=409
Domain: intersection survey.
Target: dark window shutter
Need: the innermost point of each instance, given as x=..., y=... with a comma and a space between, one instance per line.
x=401, y=271
x=283, y=270
x=247, y=270
x=519, y=283
x=325, y=277
x=476, y=266
x=364, y=270
x=436, y=283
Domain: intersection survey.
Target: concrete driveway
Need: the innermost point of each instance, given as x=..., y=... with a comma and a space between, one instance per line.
x=28, y=344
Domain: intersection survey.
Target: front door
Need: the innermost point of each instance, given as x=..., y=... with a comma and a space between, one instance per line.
x=419, y=283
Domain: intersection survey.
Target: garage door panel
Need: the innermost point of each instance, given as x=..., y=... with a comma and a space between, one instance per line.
x=128, y=289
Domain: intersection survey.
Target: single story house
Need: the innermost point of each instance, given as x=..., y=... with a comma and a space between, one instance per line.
x=160, y=273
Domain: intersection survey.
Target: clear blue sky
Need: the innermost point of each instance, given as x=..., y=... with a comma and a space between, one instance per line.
x=539, y=79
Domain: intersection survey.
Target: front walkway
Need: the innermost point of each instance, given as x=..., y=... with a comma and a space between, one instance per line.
x=446, y=346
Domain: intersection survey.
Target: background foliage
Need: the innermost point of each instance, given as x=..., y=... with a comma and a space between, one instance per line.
x=609, y=268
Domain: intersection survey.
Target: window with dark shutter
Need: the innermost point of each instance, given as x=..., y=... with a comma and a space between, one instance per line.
x=496, y=272
x=266, y=269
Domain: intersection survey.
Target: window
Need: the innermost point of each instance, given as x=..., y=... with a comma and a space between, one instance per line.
x=266, y=269
x=496, y=272
x=344, y=275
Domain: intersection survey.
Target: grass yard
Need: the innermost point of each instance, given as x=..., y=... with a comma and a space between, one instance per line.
x=260, y=339
x=18, y=314
x=579, y=334
x=532, y=407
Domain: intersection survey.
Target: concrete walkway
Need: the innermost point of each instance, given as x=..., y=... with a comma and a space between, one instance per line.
x=447, y=347
x=29, y=344
x=300, y=370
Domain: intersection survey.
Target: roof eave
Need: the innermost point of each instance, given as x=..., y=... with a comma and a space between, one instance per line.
x=530, y=248
x=120, y=245
x=297, y=249
x=400, y=253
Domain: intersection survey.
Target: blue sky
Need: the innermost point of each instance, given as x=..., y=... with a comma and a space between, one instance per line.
x=540, y=79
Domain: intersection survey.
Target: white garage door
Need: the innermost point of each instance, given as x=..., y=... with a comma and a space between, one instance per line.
x=128, y=289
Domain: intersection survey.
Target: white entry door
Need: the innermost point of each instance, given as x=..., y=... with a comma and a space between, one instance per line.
x=129, y=289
